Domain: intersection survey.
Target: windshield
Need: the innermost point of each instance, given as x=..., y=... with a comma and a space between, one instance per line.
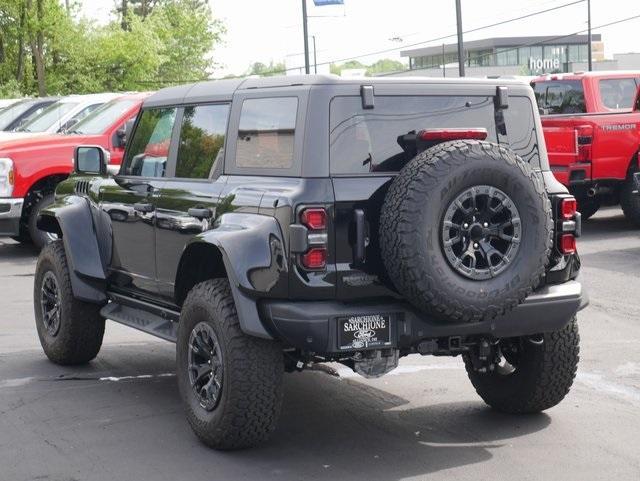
x=101, y=119
x=48, y=117
x=9, y=114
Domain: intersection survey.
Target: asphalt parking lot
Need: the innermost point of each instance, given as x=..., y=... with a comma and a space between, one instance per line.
x=120, y=418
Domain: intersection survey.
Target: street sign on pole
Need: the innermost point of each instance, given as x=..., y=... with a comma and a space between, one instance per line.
x=322, y=3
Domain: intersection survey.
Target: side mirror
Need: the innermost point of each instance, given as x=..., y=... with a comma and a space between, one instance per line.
x=636, y=102
x=91, y=160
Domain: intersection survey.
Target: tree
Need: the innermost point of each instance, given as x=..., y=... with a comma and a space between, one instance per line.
x=385, y=65
x=263, y=70
x=337, y=69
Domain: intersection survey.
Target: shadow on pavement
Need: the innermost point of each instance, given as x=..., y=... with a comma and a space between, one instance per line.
x=331, y=428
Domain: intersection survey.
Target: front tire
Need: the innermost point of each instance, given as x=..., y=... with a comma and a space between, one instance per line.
x=70, y=331
x=230, y=383
x=538, y=375
x=39, y=237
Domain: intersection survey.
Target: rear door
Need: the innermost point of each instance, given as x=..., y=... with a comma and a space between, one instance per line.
x=365, y=155
x=187, y=203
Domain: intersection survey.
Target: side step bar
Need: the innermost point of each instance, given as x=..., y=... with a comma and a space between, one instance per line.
x=143, y=316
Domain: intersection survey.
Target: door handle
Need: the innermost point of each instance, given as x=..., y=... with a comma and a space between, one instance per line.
x=200, y=213
x=143, y=207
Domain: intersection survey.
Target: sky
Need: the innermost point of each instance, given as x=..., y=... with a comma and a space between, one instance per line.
x=264, y=31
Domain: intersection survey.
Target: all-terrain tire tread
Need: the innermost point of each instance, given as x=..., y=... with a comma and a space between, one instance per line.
x=255, y=389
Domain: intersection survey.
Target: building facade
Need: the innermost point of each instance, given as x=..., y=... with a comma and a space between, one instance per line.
x=507, y=56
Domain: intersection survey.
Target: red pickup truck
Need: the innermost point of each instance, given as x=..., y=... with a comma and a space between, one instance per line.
x=591, y=125
x=30, y=168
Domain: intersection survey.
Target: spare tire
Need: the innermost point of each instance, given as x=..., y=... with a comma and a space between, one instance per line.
x=466, y=231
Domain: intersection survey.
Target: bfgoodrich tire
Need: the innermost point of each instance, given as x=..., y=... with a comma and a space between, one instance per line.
x=230, y=383
x=70, y=330
x=539, y=373
x=466, y=231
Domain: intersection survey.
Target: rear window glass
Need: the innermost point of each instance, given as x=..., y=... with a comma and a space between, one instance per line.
x=560, y=96
x=618, y=93
x=363, y=141
x=267, y=132
x=521, y=130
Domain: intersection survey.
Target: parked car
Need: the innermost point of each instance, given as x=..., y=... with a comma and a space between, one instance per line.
x=31, y=168
x=267, y=224
x=59, y=116
x=13, y=116
x=592, y=134
x=4, y=103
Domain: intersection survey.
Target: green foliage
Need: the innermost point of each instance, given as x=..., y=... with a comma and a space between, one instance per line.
x=165, y=42
x=263, y=70
x=381, y=66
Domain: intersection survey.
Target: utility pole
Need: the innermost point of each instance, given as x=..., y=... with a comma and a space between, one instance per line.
x=589, y=35
x=444, y=63
x=315, y=57
x=307, y=69
x=460, y=46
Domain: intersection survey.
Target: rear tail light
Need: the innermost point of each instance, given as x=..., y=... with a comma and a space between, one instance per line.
x=314, y=258
x=584, y=139
x=315, y=220
x=568, y=208
x=440, y=135
x=568, y=222
x=567, y=243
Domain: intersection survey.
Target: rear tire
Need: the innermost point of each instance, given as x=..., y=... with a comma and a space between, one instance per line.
x=70, y=331
x=237, y=401
x=544, y=368
x=39, y=237
x=629, y=201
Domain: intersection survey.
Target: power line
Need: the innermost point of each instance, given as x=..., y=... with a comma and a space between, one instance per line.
x=532, y=44
x=393, y=49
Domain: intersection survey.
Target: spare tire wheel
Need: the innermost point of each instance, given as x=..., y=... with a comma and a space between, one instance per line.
x=466, y=231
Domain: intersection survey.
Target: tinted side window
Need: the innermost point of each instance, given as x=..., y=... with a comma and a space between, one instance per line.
x=149, y=148
x=617, y=93
x=561, y=97
x=521, y=130
x=267, y=133
x=363, y=141
x=201, y=140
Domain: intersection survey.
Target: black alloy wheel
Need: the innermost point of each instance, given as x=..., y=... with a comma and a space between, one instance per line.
x=481, y=232
x=205, y=365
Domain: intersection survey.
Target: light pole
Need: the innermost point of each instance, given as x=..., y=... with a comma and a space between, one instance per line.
x=460, y=46
x=589, y=35
x=315, y=57
x=307, y=69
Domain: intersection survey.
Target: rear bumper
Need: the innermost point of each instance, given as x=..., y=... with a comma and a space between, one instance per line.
x=313, y=325
x=10, y=214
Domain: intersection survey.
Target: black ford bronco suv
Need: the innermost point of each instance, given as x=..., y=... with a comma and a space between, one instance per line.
x=264, y=225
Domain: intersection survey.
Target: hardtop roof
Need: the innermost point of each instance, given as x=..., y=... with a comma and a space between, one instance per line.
x=223, y=90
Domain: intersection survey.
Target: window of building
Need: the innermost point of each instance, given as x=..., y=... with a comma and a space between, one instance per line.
x=618, y=93
x=149, y=148
x=201, y=140
x=267, y=132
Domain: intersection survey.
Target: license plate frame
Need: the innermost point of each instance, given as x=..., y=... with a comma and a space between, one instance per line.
x=367, y=331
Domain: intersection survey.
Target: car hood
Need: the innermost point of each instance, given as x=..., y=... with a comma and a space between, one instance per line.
x=19, y=135
x=46, y=143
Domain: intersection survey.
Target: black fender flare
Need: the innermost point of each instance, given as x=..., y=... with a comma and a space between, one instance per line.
x=72, y=217
x=253, y=253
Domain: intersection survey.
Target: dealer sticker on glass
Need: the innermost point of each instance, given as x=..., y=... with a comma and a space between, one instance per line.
x=360, y=332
